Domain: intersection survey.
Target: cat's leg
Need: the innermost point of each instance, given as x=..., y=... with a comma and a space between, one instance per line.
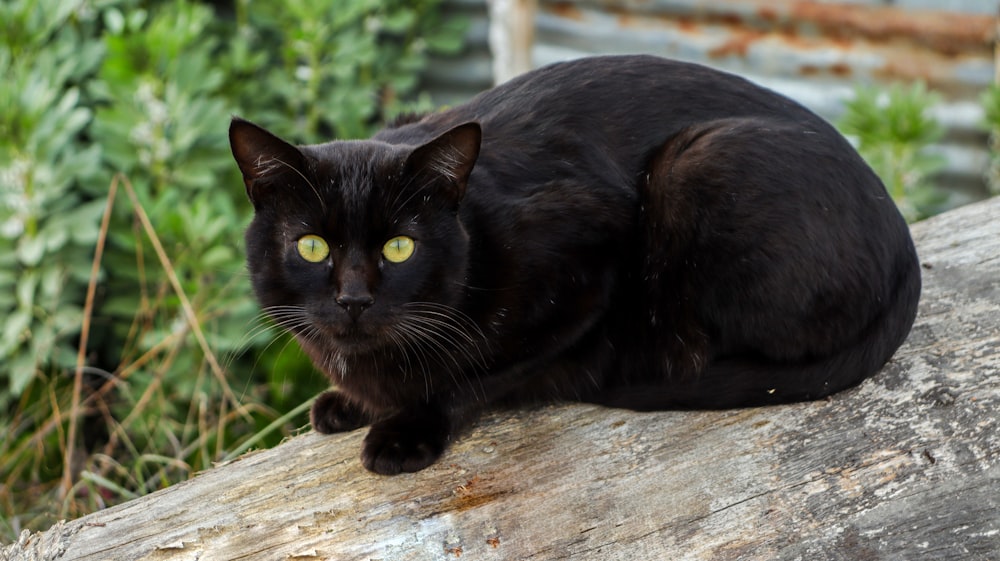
x=405, y=440
x=332, y=412
x=418, y=434
x=408, y=441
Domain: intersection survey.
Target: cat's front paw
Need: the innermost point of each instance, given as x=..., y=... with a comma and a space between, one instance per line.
x=332, y=412
x=404, y=443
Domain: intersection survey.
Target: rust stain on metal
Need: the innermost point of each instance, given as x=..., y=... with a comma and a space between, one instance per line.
x=737, y=45
x=929, y=67
x=768, y=14
x=835, y=40
x=839, y=69
x=947, y=32
x=565, y=10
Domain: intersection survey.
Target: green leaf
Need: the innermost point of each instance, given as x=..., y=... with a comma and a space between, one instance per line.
x=15, y=330
x=22, y=371
x=114, y=20
x=217, y=256
x=893, y=129
x=30, y=250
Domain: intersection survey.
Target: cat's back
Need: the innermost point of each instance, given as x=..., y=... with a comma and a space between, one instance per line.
x=620, y=85
x=622, y=97
x=606, y=114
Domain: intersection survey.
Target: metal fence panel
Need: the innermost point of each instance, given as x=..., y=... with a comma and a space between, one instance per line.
x=453, y=79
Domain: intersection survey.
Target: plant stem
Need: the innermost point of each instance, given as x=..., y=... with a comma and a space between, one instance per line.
x=88, y=309
x=189, y=314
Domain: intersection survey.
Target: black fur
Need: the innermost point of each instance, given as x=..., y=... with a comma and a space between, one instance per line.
x=629, y=231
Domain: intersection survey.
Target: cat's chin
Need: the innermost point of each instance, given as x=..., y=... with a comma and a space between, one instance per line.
x=355, y=346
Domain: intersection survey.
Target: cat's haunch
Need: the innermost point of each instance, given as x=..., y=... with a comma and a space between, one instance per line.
x=629, y=231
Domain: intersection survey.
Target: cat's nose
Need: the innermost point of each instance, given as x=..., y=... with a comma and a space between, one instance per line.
x=355, y=303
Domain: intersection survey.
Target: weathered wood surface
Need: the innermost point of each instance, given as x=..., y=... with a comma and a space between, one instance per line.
x=905, y=467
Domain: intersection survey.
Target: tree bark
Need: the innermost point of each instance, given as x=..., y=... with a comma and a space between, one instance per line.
x=906, y=466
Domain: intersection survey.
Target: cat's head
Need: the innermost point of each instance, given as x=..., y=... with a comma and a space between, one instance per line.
x=352, y=240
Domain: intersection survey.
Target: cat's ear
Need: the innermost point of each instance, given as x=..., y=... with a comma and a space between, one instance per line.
x=262, y=155
x=449, y=158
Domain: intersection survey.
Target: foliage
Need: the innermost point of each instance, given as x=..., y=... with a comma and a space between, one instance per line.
x=990, y=100
x=46, y=226
x=180, y=369
x=344, y=66
x=893, y=129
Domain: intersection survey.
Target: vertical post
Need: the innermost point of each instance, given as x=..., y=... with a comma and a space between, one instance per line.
x=993, y=168
x=512, y=34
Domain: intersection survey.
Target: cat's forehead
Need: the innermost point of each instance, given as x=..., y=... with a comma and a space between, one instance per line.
x=354, y=180
x=352, y=169
x=353, y=159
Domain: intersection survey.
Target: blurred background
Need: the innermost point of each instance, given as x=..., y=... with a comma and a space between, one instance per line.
x=132, y=354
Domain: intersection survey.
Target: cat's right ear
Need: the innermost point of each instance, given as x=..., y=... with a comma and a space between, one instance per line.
x=261, y=155
x=449, y=157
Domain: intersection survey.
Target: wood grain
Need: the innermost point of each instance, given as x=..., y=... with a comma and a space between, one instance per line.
x=907, y=467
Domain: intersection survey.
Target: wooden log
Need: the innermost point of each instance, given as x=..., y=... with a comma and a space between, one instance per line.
x=907, y=467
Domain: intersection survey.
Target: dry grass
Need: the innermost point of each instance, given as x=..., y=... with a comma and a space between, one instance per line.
x=75, y=446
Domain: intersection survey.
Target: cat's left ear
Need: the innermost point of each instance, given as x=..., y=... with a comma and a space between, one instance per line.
x=449, y=157
x=261, y=155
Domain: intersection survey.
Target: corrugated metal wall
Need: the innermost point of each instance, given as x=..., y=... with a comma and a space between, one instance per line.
x=813, y=51
x=455, y=79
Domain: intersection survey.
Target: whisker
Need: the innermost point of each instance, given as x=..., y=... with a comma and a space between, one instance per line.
x=430, y=342
x=406, y=346
x=322, y=202
x=451, y=334
x=271, y=319
x=427, y=336
x=396, y=207
x=445, y=331
x=259, y=325
x=469, y=329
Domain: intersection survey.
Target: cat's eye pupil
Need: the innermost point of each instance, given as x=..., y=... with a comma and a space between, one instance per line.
x=398, y=249
x=313, y=248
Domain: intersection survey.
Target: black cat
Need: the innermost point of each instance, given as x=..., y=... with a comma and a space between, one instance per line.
x=629, y=231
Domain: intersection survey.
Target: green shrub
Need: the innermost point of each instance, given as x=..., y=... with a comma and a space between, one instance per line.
x=990, y=100
x=893, y=129
x=47, y=226
x=180, y=369
x=344, y=67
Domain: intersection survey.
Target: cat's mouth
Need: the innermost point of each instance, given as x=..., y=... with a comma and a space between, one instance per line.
x=353, y=338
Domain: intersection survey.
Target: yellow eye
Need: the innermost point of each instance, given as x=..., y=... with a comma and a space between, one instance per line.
x=313, y=248
x=398, y=249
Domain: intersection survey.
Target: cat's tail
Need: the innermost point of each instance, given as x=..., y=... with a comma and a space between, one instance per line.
x=749, y=381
